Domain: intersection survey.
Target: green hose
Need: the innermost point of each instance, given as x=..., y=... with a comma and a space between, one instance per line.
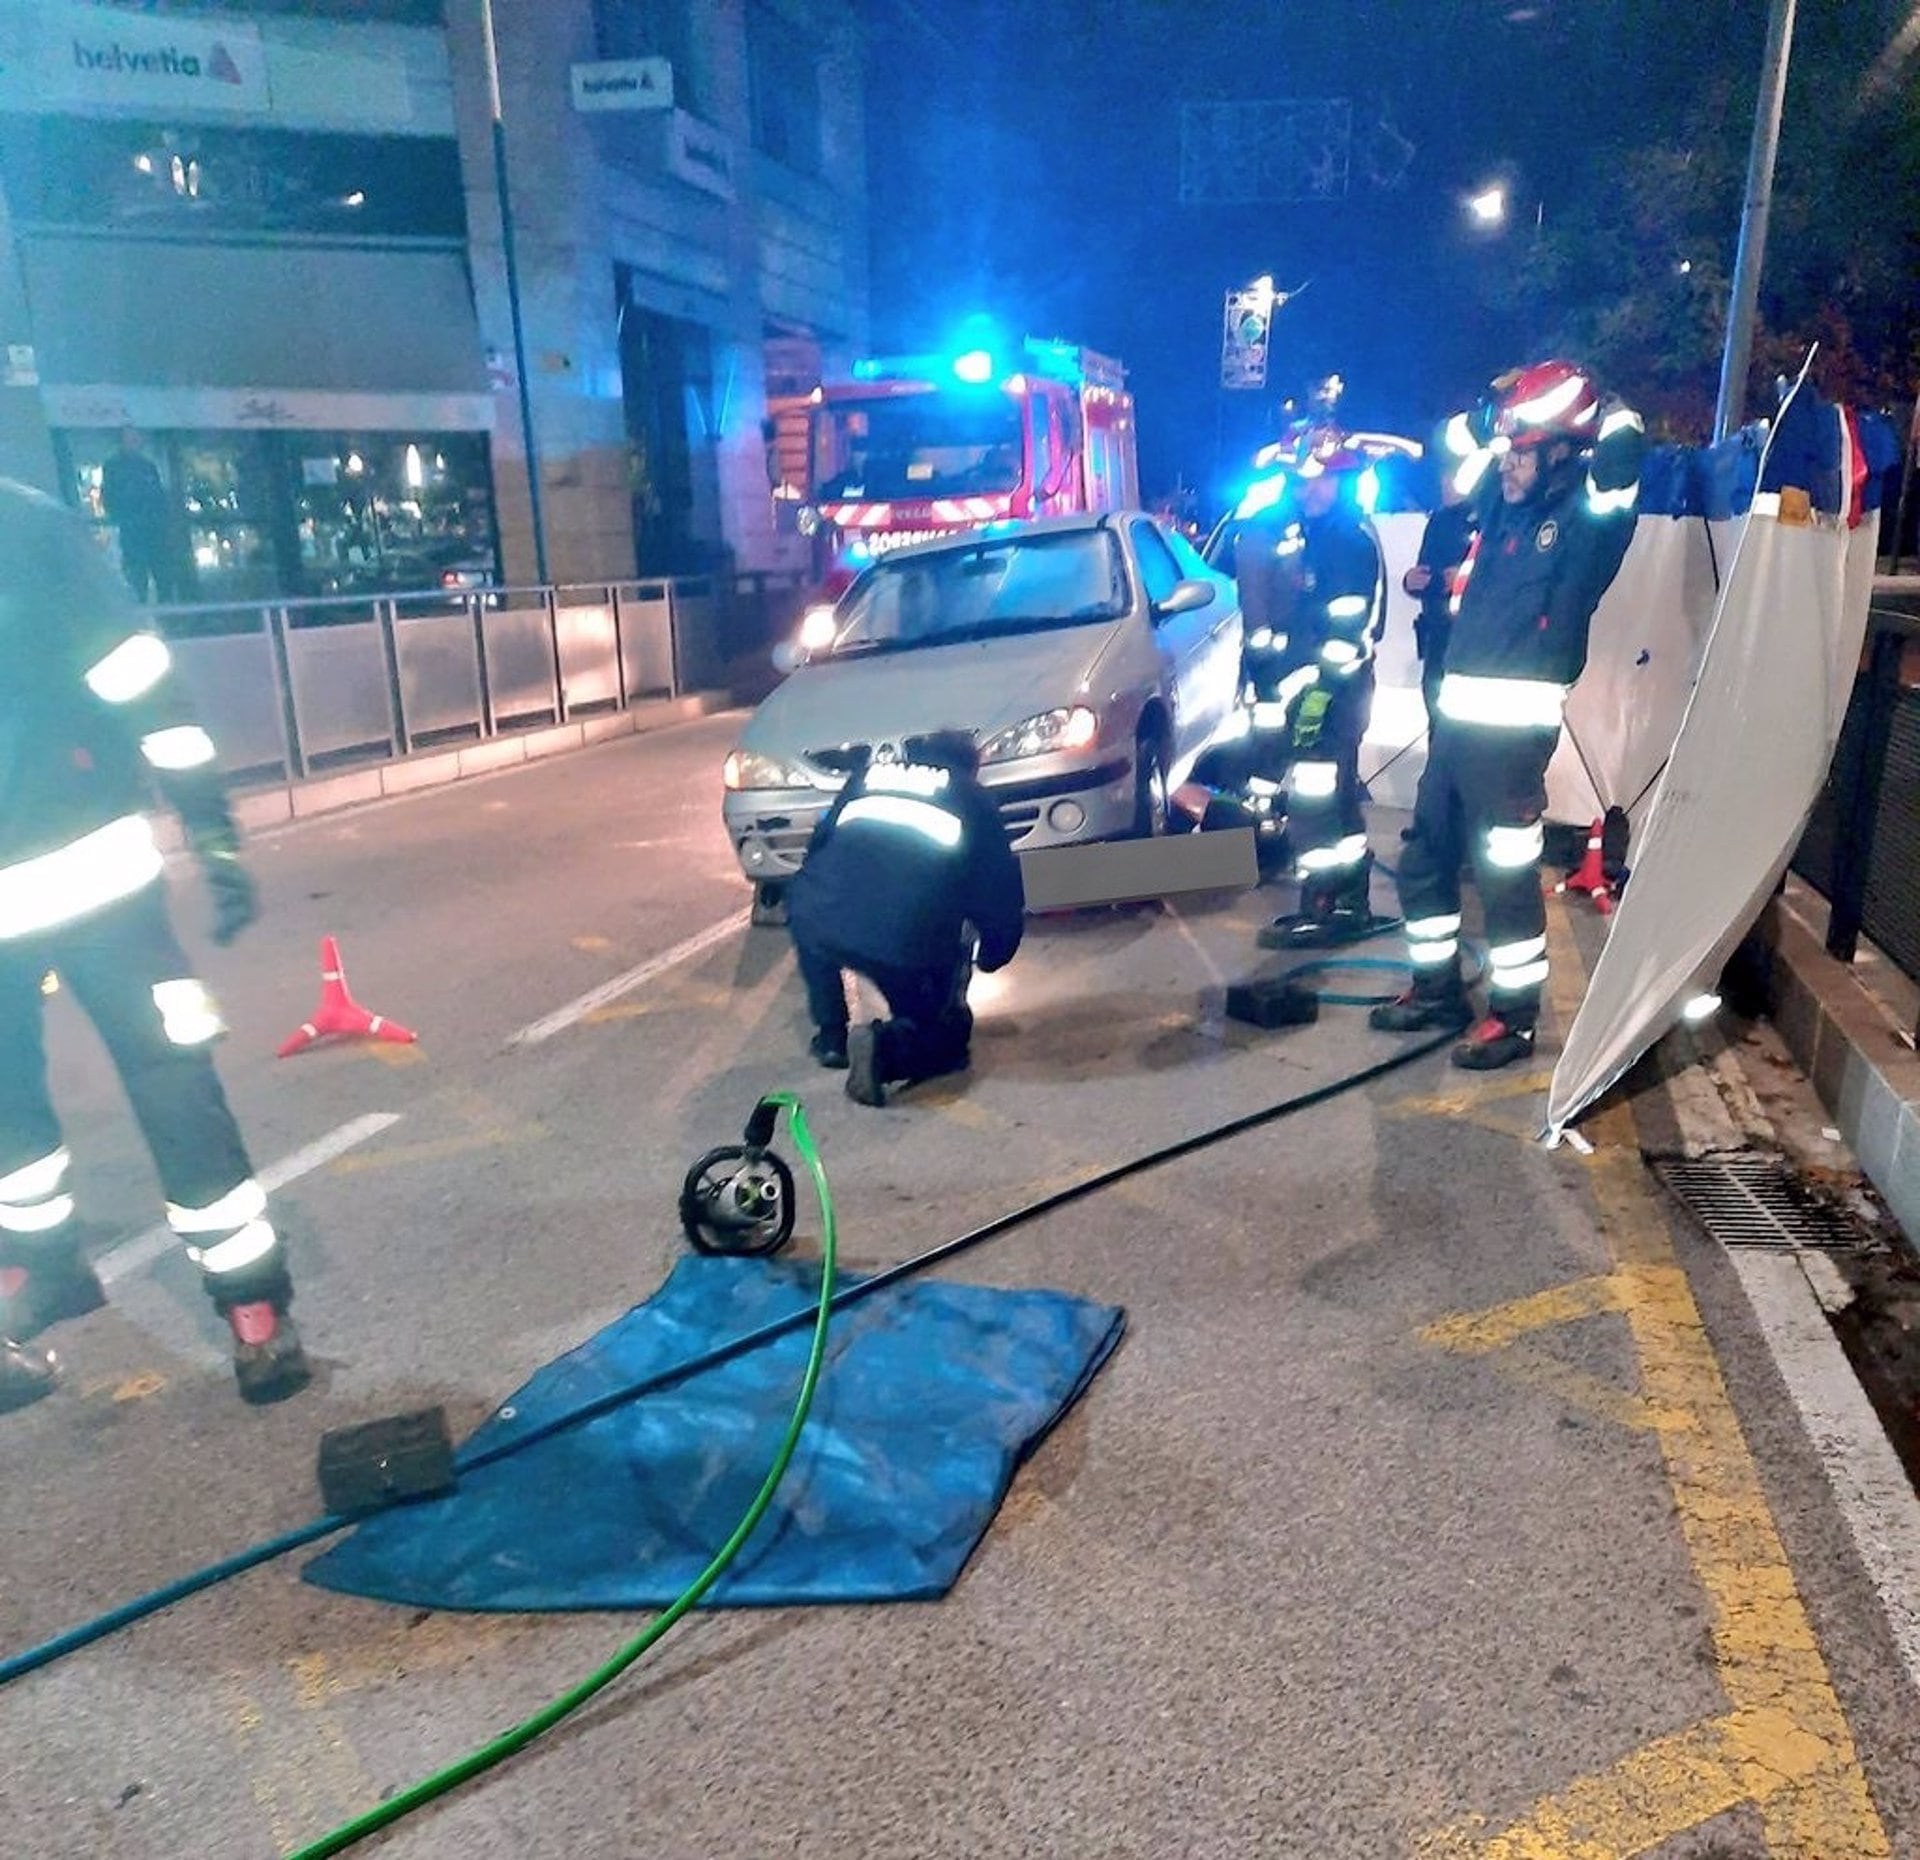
x=508, y=1743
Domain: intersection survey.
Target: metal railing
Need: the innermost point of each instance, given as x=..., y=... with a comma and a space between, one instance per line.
x=1861, y=848
x=291, y=689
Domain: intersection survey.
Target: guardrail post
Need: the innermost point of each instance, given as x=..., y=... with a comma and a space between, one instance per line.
x=673, y=640
x=285, y=707
x=1857, y=796
x=387, y=614
x=551, y=599
x=477, y=613
x=619, y=646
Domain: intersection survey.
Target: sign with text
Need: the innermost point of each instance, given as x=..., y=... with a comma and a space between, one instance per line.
x=1243, y=340
x=700, y=156
x=624, y=84
x=102, y=56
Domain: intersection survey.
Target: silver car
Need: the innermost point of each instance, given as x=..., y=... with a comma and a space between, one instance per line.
x=1092, y=658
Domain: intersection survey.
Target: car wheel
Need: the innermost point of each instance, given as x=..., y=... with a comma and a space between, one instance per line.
x=1152, y=810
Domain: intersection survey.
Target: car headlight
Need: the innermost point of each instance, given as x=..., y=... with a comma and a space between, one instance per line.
x=1040, y=735
x=748, y=768
x=818, y=629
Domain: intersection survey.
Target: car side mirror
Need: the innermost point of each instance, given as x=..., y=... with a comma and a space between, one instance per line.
x=1185, y=597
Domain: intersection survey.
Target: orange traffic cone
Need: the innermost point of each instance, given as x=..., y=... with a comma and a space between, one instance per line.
x=1591, y=876
x=339, y=1015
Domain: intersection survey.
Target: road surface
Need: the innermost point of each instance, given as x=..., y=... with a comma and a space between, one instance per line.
x=1442, y=1500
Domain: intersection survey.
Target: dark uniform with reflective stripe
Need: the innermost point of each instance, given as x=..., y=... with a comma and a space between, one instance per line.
x=90, y=722
x=909, y=855
x=1313, y=589
x=1535, y=575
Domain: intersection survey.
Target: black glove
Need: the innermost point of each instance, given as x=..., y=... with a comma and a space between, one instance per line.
x=1618, y=457
x=236, y=903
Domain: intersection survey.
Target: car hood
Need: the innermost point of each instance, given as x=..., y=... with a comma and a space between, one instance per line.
x=978, y=685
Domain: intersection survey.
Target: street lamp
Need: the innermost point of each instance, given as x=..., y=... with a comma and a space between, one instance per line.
x=1488, y=207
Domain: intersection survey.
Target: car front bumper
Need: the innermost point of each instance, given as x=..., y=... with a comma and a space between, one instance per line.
x=1048, y=801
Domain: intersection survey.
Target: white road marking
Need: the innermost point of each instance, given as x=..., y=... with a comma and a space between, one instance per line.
x=1864, y=1473
x=624, y=984
x=131, y=1256
x=1789, y=1293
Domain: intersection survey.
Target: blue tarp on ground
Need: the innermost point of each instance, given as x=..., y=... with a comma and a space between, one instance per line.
x=932, y=1395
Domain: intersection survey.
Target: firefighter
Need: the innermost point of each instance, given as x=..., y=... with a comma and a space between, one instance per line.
x=908, y=866
x=90, y=722
x=1443, y=547
x=1313, y=689
x=1554, y=528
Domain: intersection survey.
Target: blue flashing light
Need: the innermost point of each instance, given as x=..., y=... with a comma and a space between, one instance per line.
x=857, y=550
x=1366, y=492
x=974, y=367
x=869, y=368
x=1261, y=494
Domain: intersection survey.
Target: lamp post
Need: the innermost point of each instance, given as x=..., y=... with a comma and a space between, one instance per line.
x=513, y=292
x=1738, y=354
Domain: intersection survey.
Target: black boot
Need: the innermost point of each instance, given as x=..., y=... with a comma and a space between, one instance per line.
x=25, y=1376
x=864, y=1082
x=829, y=1048
x=269, y=1362
x=1330, y=915
x=1439, y=1005
x=1493, y=1043
x=56, y=1287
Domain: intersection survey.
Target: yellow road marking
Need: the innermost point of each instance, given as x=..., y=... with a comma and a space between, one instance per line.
x=677, y=1000
x=385, y=1053
x=592, y=945
x=1785, y=1745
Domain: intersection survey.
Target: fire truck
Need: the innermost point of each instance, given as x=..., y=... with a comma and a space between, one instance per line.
x=918, y=446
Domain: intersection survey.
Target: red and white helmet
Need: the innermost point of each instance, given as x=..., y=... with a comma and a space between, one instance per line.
x=1546, y=402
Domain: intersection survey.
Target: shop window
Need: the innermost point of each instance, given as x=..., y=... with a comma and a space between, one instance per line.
x=281, y=515
x=390, y=512
x=157, y=177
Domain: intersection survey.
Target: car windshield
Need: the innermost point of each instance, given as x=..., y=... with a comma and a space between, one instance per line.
x=1008, y=585
x=946, y=444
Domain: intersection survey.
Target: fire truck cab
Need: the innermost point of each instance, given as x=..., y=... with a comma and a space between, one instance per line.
x=917, y=446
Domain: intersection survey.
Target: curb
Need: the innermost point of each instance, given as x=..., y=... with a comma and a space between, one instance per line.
x=1853, y=1049
x=258, y=809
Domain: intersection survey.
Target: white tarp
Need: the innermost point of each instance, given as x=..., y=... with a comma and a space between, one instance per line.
x=1648, y=634
x=1751, y=756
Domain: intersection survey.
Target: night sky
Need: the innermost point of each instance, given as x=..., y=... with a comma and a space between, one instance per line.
x=1025, y=162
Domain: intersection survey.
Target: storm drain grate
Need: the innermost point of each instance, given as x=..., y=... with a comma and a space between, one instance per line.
x=1756, y=1201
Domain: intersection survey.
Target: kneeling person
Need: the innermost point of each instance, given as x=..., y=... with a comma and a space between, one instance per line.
x=908, y=857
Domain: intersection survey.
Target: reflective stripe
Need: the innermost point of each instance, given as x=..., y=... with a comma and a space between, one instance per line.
x=1610, y=503
x=1422, y=929
x=1259, y=784
x=1511, y=848
x=1337, y=857
x=234, y=1209
x=1348, y=606
x=101, y=867
x=1340, y=652
x=1459, y=437
x=1554, y=402
x=1502, y=703
x=131, y=669
x=35, y=1179
x=1472, y=469
x=1619, y=420
x=43, y=1217
x=1316, y=781
x=187, y=1012
x=1270, y=714
x=1432, y=955
x=1513, y=955
x=1699, y=1008
x=1260, y=638
x=906, y=778
x=185, y=746
x=250, y=1245
x=1511, y=981
x=899, y=810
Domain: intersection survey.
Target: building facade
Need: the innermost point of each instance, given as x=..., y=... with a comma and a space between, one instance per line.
x=254, y=291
